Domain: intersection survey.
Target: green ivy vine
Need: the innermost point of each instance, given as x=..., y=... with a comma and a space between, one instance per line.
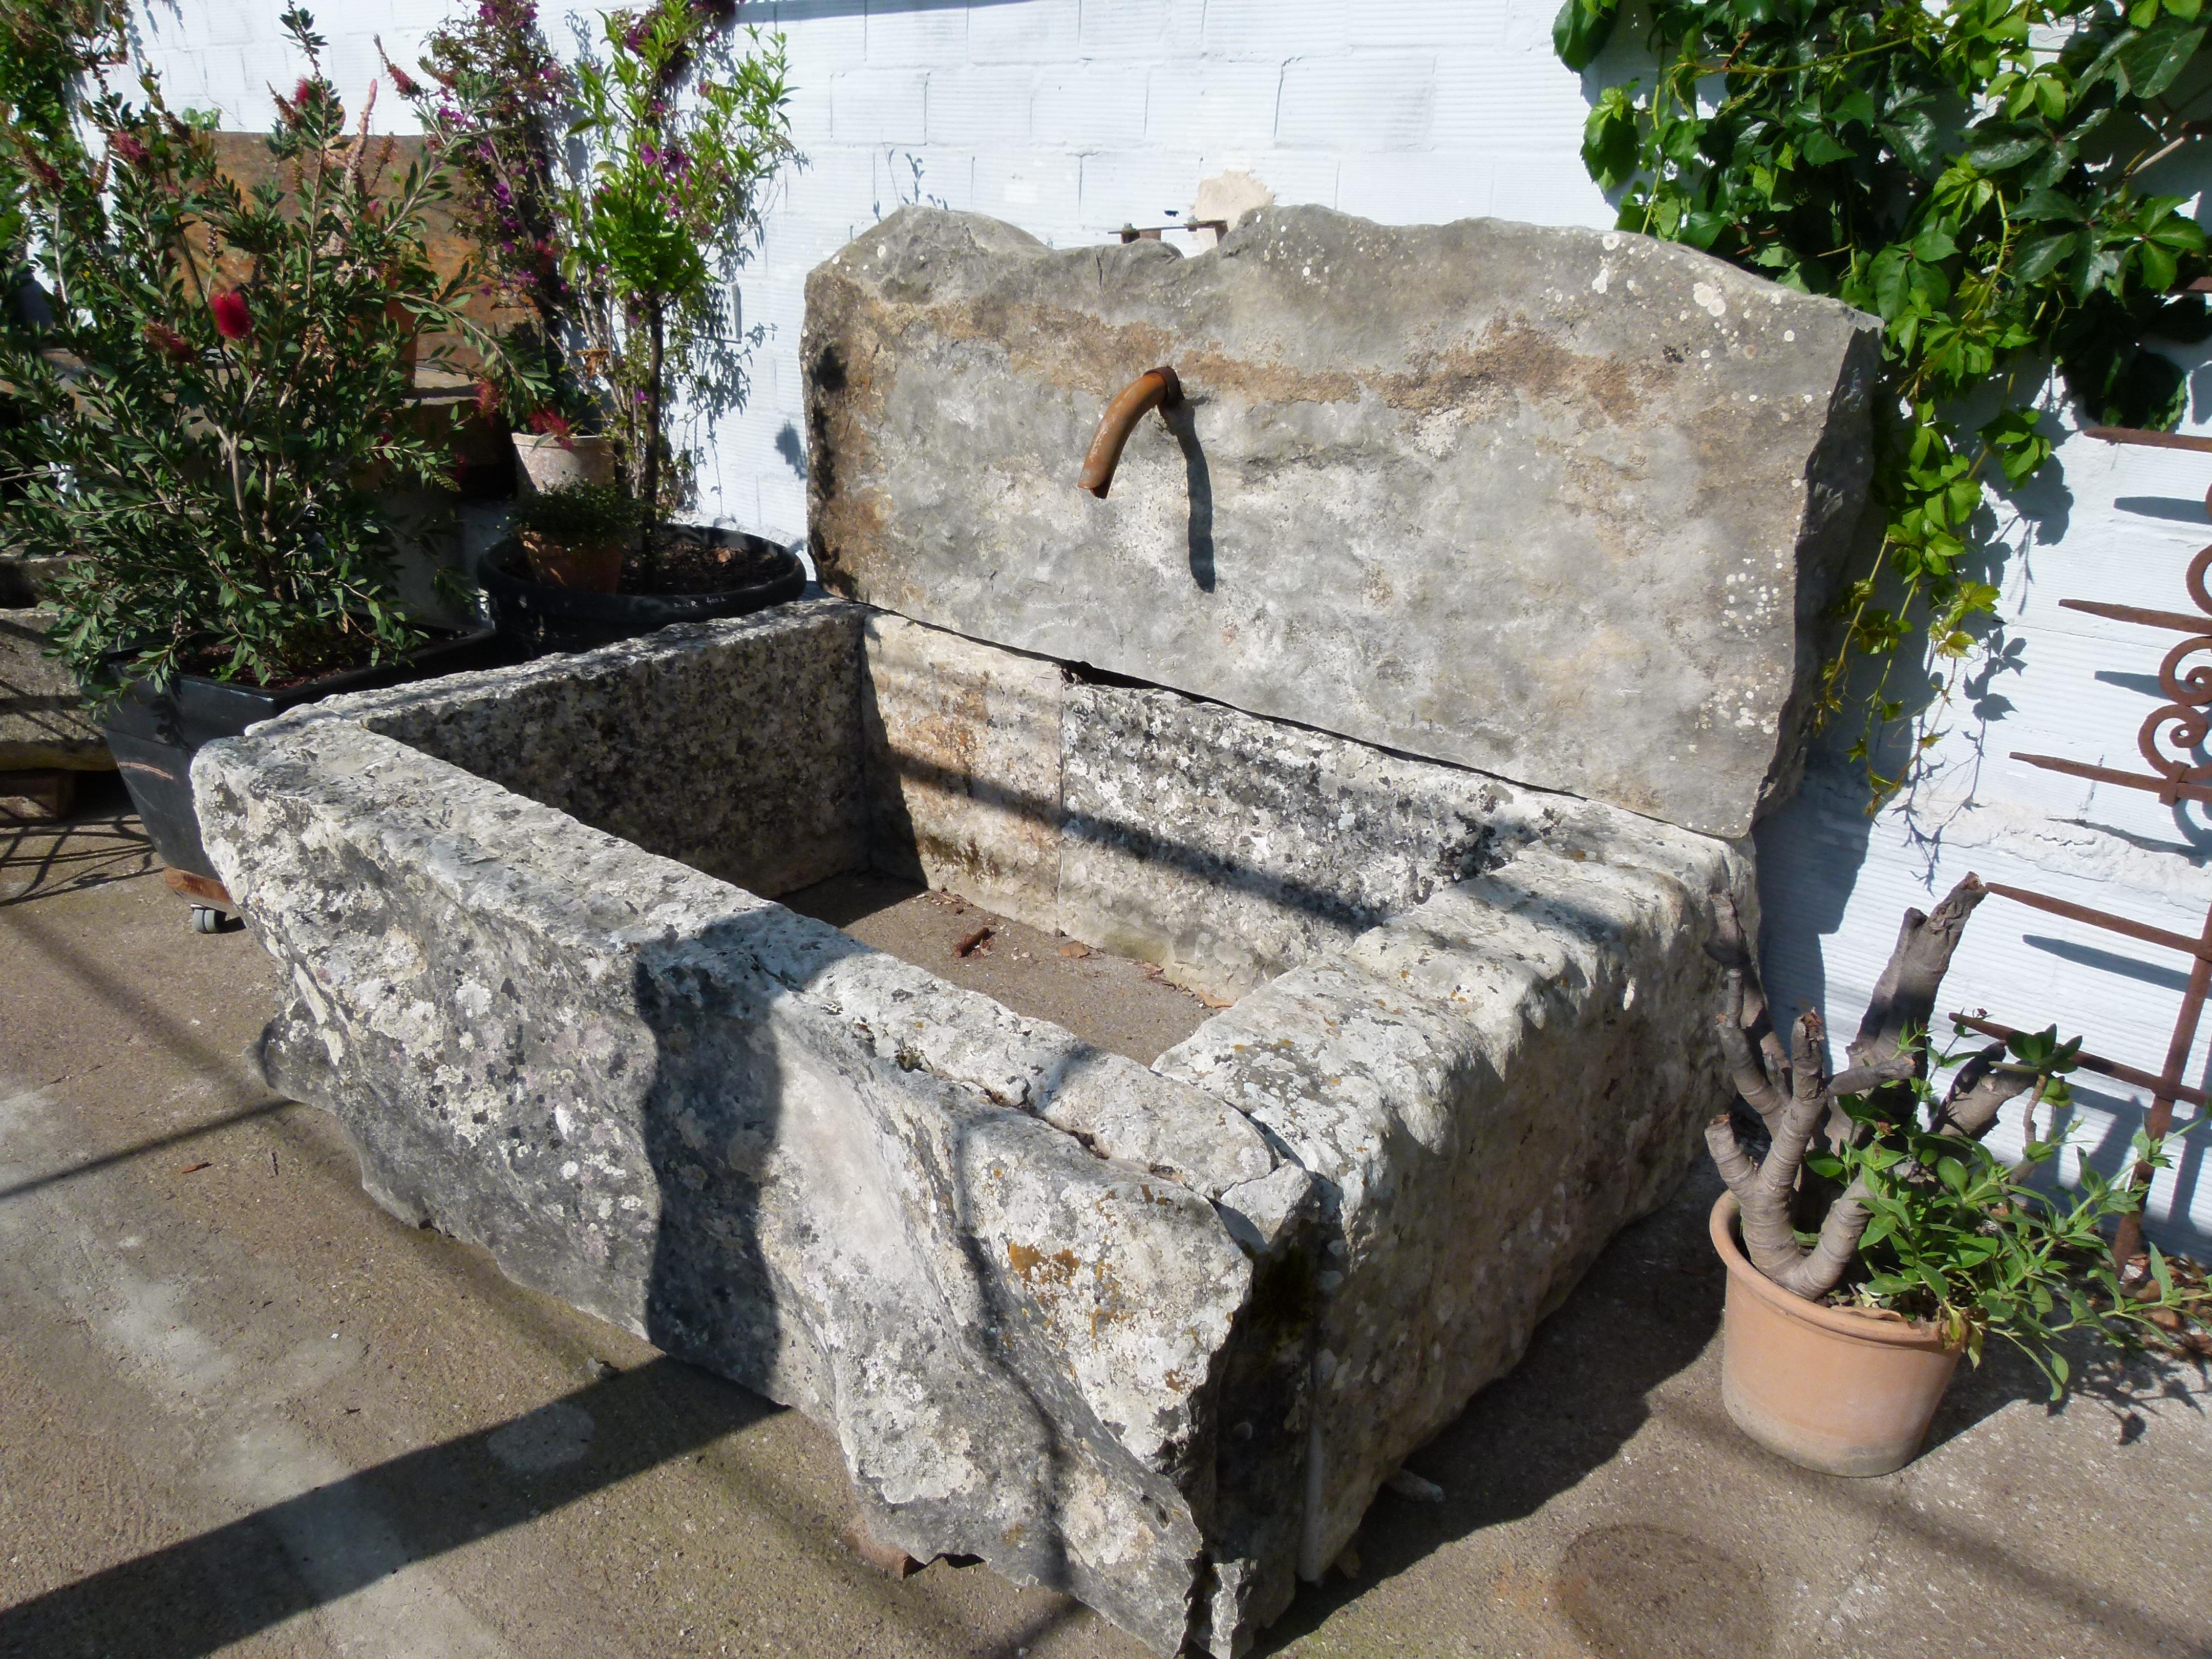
x=1967, y=172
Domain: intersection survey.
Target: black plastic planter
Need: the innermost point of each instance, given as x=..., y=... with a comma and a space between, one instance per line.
x=539, y=617
x=153, y=735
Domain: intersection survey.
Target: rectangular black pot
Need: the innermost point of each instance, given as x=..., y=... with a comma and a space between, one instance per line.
x=153, y=735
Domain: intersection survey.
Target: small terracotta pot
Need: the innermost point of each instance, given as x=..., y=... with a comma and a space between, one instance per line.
x=545, y=464
x=581, y=567
x=1829, y=1389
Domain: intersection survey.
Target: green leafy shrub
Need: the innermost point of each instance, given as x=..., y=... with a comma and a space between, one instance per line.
x=1968, y=172
x=1867, y=1186
x=221, y=396
x=1963, y=1240
x=664, y=208
x=591, y=513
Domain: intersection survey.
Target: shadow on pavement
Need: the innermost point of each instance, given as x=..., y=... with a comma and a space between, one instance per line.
x=199, y=1595
x=1645, y=1311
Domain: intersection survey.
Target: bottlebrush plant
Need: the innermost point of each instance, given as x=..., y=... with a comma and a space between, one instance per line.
x=220, y=391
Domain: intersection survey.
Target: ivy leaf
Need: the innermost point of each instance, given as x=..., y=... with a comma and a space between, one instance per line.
x=1609, y=138
x=1932, y=244
x=2095, y=267
x=2001, y=147
x=1702, y=228
x=1857, y=106
x=1912, y=133
x=1822, y=147
x=2038, y=258
x=1582, y=28
x=2043, y=203
x=2160, y=266
x=2161, y=53
x=1891, y=279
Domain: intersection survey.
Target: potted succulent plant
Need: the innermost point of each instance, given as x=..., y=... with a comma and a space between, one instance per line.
x=576, y=538
x=221, y=407
x=671, y=138
x=1871, y=1238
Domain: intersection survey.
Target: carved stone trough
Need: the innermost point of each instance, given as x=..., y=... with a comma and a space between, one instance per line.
x=1155, y=1335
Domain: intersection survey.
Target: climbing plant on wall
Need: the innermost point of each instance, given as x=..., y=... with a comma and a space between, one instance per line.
x=1970, y=171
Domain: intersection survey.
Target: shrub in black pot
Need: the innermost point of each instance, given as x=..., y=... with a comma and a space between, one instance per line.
x=665, y=141
x=221, y=406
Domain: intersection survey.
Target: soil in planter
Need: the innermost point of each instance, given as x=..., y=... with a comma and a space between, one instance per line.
x=691, y=564
x=1122, y=1006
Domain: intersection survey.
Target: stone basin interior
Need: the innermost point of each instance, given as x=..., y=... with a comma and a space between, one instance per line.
x=911, y=787
x=1120, y=1006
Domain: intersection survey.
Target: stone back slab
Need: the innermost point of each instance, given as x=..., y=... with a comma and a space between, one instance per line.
x=1561, y=505
x=1152, y=1335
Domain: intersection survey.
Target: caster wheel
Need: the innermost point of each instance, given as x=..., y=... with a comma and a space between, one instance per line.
x=206, y=919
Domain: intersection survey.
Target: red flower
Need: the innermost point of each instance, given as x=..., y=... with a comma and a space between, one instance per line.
x=232, y=318
x=547, y=424
x=164, y=337
x=402, y=82
x=487, y=399
x=127, y=146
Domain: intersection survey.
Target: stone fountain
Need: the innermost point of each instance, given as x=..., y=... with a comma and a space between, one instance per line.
x=1414, y=691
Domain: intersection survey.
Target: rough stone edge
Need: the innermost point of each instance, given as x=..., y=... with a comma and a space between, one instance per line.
x=848, y=973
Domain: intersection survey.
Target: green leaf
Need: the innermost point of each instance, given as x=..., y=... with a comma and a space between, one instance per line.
x=2160, y=267
x=1999, y=147
x=1857, y=107
x=1934, y=243
x=1581, y=30
x=2046, y=203
x=2164, y=50
x=1913, y=134
x=2038, y=258
x=1892, y=281
x=1822, y=147
x=1610, y=137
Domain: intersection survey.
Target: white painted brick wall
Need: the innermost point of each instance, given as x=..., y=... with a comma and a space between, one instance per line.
x=1069, y=116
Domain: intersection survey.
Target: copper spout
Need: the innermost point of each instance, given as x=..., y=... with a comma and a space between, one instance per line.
x=1156, y=388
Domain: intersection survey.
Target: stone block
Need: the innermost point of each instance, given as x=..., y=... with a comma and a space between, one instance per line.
x=963, y=767
x=44, y=723
x=1563, y=505
x=1486, y=1089
x=737, y=1131
x=1229, y=849
x=1151, y=1335
x=728, y=747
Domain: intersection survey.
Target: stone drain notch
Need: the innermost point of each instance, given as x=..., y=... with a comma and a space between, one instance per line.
x=1152, y=1334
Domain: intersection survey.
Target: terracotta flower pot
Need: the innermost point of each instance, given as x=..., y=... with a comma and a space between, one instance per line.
x=545, y=463
x=581, y=567
x=1830, y=1389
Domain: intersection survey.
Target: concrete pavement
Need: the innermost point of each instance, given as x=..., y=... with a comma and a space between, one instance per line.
x=243, y=1410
